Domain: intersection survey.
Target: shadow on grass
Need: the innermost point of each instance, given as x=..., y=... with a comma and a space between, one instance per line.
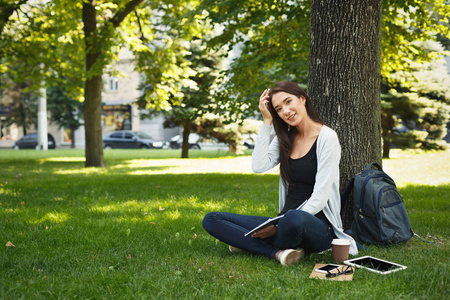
x=104, y=233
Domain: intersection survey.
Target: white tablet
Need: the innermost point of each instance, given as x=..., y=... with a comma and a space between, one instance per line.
x=374, y=264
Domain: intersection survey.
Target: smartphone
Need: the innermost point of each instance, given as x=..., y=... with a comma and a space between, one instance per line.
x=374, y=264
x=327, y=268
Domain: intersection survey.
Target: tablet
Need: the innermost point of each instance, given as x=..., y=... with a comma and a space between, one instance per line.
x=264, y=224
x=374, y=264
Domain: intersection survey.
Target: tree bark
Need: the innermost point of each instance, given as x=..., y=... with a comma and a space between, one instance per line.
x=72, y=137
x=344, y=80
x=187, y=126
x=92, y=91
x=387, y=123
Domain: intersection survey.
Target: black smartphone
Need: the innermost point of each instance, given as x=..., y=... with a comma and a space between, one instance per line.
x=327, y=268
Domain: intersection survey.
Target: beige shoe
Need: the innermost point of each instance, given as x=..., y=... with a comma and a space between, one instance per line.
x=236, y=250
x=290, y=257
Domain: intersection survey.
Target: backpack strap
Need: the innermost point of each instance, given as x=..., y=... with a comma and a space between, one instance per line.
x=369, y=166
x=415, y=235
x=349, y=187
x=377, y=165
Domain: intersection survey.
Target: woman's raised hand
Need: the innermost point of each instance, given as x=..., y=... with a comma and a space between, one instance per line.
x=264, y=107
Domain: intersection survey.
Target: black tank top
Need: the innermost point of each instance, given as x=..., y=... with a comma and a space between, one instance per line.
x=303, y=172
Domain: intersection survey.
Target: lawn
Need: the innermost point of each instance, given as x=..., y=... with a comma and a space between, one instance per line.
x=133, y=230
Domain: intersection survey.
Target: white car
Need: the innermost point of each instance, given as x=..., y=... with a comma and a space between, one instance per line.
x=197, y=142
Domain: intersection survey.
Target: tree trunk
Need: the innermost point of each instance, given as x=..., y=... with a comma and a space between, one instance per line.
x=93, y=84
x=387, y=123
x=186, y=131
x=344, y=80
x=72, y=137
x=92, y=91
x=386, y=148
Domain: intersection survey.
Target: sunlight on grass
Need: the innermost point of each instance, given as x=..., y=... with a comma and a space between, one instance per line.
x=100, y=233
x=207, y=206
x=412, y=167
x=173, y=215
x=259, y=210
x=127, y=219
x=53, y=217
x=7, y=192
x=63, y=159
x=240, y=165
x=82, y=171
x=127, y=206
x=10, y=210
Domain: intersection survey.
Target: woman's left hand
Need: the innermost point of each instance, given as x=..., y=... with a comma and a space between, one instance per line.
x=265, y=233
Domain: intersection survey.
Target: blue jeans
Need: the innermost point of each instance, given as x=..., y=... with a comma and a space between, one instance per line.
x=297, y=229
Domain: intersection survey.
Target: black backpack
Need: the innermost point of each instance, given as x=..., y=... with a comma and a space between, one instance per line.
x=379, y=211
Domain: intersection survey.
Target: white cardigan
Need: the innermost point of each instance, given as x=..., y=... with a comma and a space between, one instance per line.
x=325, y=195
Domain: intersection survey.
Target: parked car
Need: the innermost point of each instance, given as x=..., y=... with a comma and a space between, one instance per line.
x=177, y=141
x=132, y=140
x=30, y=141
x=249, y=140
x=197, y=142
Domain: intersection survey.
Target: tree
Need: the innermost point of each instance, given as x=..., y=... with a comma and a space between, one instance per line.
x=273, y=37
x=33, y=51
x=156, y=35
x=344, y=79
x=98, y=40
x=7, y=8
x=405, y=23
x=22, y=104
x=52, y=28
x=418, y=105
x=272, y=41
x=56, y=32
x=64, y=110
x=197, y=100
x=214, y=127
x=412, y=121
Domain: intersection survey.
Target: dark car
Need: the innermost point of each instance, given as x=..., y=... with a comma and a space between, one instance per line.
x=30, y=141
x=249, y=140
x=132, y=140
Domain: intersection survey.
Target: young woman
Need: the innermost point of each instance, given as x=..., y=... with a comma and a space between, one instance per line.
x=308, y=153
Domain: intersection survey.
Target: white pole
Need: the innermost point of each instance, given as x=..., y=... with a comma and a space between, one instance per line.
x=42, y=118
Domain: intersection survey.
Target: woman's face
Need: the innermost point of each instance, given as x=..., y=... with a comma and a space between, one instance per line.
x=290, y=108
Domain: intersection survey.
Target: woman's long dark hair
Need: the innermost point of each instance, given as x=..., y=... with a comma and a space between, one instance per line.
x=284, y=132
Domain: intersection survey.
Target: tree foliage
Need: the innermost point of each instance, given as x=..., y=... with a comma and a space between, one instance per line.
x=64, y=110
x=273, y=38
x=213, y=127
x=405, y=23
x=84, y=37
x=195, y=100
x=271, y=42
x=415, y=114
x=19, y=101
x=44, y=44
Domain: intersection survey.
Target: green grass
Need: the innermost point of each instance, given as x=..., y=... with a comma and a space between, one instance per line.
x=133, y=230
